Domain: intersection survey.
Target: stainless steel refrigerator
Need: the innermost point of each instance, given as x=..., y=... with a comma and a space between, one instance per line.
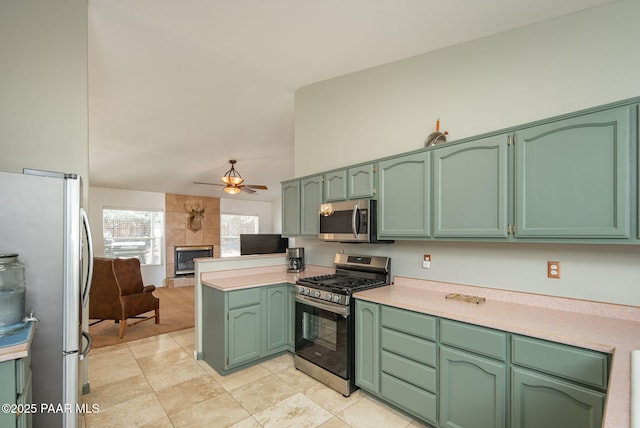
x=42, y=220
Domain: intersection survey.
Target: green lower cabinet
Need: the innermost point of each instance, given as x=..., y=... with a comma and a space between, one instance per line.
x=452, y=374
x=15, y=389
x=244, y=335
x=409, y=397
x=291, y=343
x=367, y=347
x=540, y=401
x=277, y=317
x=472, y=390
x=246, y=326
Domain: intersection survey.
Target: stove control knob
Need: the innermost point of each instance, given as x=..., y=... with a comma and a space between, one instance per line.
x=336, y=298
x=301, y=290
x=307, y=291
x=317, y=293
x=328, y=297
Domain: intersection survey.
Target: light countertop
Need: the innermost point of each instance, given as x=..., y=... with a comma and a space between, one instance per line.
x=238, y=279
x=609, y=328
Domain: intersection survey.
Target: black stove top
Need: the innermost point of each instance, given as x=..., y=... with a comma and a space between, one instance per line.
x=337, y=283
x=353, y=273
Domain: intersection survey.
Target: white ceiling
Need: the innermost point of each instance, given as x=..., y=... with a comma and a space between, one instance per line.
x=177, y=88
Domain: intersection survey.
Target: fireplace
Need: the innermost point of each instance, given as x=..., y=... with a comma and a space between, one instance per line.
x=183, y=257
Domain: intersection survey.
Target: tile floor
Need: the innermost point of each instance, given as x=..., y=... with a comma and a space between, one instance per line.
x=156, y=382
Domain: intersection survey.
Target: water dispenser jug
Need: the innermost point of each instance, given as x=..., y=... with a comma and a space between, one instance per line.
x=12, y=294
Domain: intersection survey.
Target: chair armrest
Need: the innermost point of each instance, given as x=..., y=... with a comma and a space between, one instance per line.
x=148, y=288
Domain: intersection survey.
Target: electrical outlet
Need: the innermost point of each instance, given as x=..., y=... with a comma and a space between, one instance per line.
x=553, y=270
x=426, y=261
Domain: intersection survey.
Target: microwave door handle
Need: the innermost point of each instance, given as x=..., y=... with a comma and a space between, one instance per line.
x=355, y=227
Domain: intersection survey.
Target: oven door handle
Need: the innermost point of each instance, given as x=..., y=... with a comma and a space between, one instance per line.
x=336, y=309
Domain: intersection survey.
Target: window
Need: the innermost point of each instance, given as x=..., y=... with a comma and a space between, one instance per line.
x=133, y=233
x=231, y=226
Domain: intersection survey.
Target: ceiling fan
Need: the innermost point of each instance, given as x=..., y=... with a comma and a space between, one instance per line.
x=232, y=182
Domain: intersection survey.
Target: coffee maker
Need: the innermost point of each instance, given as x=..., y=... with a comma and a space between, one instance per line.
x=295, y=258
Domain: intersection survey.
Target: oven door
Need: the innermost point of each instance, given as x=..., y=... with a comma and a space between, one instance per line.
x=324, y=333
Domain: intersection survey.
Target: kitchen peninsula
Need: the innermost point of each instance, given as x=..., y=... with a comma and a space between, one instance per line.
x=238, y=273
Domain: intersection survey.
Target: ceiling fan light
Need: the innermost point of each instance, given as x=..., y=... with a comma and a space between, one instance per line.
x=232, y=190
x=232, y=177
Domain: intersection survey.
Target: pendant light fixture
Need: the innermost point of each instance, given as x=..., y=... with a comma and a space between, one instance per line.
x=232, y=177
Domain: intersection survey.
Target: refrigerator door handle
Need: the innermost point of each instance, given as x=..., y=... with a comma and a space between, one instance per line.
x=85, y=351
x=87, y=285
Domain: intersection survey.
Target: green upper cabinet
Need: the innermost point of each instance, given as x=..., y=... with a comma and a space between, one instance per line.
x=470, y=189
x=335, y=186
x=362, y=182
x=310, y=200
x=404, y=197
x=572, y=177
x=291, y=208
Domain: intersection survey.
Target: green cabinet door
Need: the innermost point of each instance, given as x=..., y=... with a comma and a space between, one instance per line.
x=291, y=343
x=367, y=347
x=291, y=208
x=404, y=197
x=277, y=317
x=470, y=189
x=472, y=390
x=572, y=177
x=8, y=389
x=540, y=401
x=362, y=182
x=245, y=326
x=310, y=200
x=335, y=186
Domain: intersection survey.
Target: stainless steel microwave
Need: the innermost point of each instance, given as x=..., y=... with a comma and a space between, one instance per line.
x=349, y=221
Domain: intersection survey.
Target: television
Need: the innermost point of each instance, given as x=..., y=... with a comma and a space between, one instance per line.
x=262, y=243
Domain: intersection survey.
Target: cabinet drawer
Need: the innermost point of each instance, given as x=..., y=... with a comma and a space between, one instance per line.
x=482, y=340
x=412, y=347
x=414, y=323
x=580, y=365
x=409, y=397
x=409, y=371
x=250, y=296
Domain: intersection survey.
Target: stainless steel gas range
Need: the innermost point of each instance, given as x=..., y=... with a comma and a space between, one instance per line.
x=325, y=325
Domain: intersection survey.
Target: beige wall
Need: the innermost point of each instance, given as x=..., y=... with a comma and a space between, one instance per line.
x=177, y=212
x=43, y=86
x=554, y=67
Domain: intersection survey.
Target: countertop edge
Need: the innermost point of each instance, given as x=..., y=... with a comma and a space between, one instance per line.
x=19, y=350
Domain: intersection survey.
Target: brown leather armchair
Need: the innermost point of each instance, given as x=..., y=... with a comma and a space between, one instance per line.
x=117, y=293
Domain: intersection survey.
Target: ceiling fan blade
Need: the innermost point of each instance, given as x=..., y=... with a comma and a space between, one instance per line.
x=255, y=186
x=247, y=190
x=210, y=184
